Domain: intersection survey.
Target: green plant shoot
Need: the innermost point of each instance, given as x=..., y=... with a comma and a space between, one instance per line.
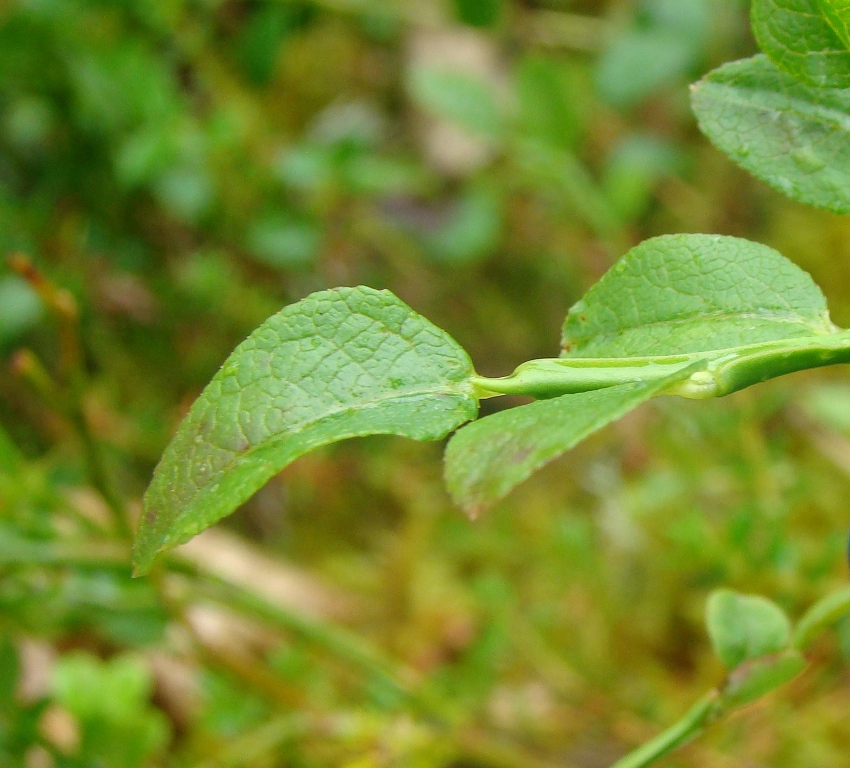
x=697, y=316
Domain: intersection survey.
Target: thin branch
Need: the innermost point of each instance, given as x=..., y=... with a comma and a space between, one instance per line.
x=701, y=716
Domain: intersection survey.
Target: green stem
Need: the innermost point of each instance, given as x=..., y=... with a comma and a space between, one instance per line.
x=720, y=372
x=739, y=684
x=26, y=365
x=820, y=617
x=701, y=716
x=566, y=376
x=745, y=366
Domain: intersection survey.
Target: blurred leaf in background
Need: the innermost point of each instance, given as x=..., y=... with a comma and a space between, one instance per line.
x=663, y=41
x=110, y=703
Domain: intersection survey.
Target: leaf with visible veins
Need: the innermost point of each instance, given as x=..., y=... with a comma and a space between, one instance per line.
x=792, y=136
x=837, y=13
x=681, y=294
x=800, y=37
x=341, y=363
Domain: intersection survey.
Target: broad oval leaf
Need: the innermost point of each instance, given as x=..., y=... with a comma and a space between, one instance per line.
x=799, y=38
x=794, y=137
x=745, y=627
x=486, y=459
x=341, y=363
x=684, y=294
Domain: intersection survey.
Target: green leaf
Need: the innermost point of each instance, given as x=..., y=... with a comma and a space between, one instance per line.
x=681, y=294
x=558, y=172
x=116, y=690
x=284, y=243
x=799, y=39
x=110, y=700
x=758, y=677
x=744, y=627
x=664, y=42
x=633, y=170
x=341, y=363
x=259, y=41
x=791, y=136
x=472, y=229
x=737, y=311
x=547, y=101
x=487, y=459
x=640, y=62
x=455, y=96
x=837, y=13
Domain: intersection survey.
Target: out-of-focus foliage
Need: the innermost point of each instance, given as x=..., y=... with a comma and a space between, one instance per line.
x=110, y=701
x=663, y=43
x=184, y=169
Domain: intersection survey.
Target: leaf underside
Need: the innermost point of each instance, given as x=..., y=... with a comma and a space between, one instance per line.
x=683, y=294
x=799, y=37
x=485, y=460
x=792, y=136
x=341, y=363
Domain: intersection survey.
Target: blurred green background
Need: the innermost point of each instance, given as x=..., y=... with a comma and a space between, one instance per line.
x=184, y=168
